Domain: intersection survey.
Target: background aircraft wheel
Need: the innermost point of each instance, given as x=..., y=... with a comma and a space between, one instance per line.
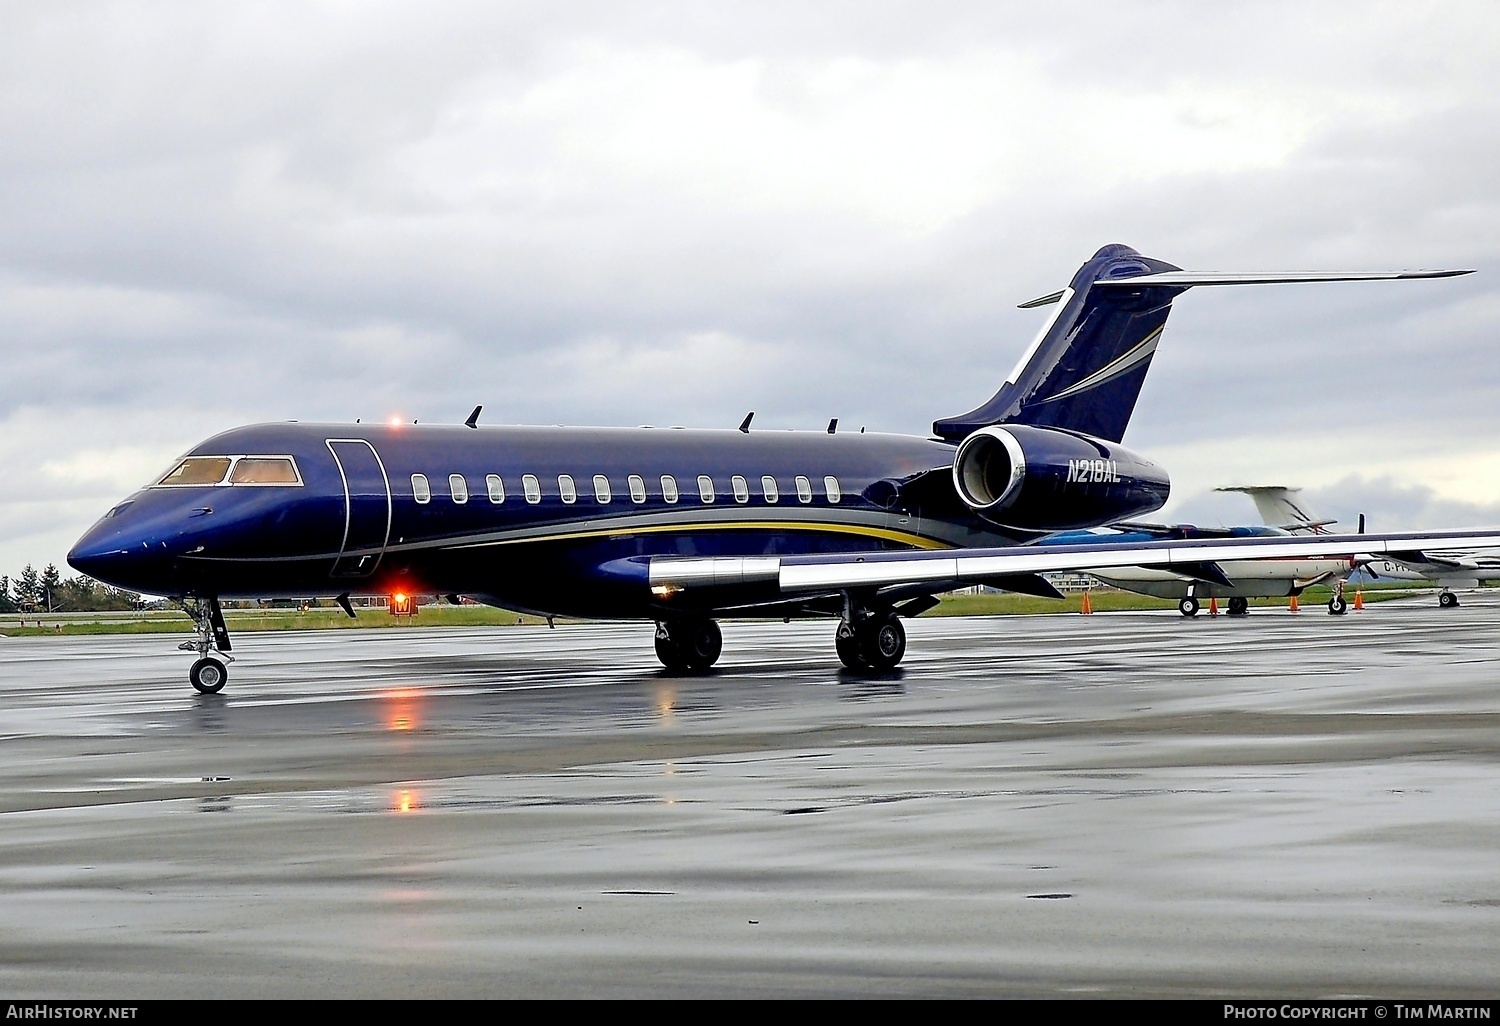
x=1188, y=606
x=846, y=641
x=208, y=676
x=884, y=643
x=1239, y=606
x=703, y=643
x=1447, y=600
x=1338, y=606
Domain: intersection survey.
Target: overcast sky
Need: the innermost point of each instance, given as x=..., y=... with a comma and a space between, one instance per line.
x=615, y=213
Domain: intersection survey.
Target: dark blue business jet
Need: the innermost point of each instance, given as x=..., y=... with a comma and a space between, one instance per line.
x=679, y=526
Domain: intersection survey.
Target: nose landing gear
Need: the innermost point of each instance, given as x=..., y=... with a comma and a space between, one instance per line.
x=208, y=674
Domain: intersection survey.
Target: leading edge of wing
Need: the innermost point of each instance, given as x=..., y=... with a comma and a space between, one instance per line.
x=797, y=575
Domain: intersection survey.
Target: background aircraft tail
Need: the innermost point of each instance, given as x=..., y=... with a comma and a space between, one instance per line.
x=1278, y=506
x=1084, y=370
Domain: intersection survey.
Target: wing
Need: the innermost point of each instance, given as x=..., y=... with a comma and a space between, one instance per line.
x=747, y=581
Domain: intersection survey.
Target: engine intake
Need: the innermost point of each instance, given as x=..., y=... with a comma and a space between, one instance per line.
x=1044, y=479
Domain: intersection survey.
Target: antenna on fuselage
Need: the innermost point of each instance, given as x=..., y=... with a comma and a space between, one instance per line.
x=833, y=425
x=745, y=424
x=473, y=420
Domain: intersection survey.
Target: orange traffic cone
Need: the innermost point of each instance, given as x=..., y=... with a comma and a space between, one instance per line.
x=1292, y=605
x=1359, y=599
x=1213, y=606
x=1087, y=607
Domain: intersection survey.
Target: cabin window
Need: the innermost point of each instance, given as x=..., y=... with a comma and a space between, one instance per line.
x=831, y=487
x=705, y=488
x=196, y=470
x=420, y=490
x=637, y=488
x=601, y=488
x=496, y=488
x=768, y=488
x=741, y=489
x=668, y=488
x=264, y=470
x=566, y=489
x=458, y=488
x=804, y=489
x=532, y=488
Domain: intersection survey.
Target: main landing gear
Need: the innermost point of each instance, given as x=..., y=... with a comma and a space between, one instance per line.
x=208, y=675
x=1239, y=606
x=875, y=641
x=1338, y=605
x=1447, y=600
x=688, y=644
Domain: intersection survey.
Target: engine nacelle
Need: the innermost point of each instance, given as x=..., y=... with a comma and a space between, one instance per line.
x=1044, y=479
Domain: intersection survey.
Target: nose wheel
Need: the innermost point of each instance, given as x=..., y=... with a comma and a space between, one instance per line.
x=208, y=674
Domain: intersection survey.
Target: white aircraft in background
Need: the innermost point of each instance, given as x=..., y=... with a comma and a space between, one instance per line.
x=1448, y=568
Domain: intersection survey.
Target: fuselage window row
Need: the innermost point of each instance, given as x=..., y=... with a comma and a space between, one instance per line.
x=567, y=490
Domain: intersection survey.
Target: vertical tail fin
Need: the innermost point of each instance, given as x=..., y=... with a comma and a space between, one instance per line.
x=1086, y=367
x=1279, y=507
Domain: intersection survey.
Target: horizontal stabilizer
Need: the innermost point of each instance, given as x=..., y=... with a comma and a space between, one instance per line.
x=1047, y=300
x=1187, y=279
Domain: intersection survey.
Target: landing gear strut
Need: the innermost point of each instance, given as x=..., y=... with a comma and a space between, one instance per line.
x=1447, y=600
x=688, y=644
x=208, y=675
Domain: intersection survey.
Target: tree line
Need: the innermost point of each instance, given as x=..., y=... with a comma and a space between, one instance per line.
x=47, y=591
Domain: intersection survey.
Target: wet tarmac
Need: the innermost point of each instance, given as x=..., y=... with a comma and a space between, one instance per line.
x=1135, y=804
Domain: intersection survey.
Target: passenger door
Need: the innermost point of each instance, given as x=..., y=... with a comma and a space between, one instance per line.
x=367, y=507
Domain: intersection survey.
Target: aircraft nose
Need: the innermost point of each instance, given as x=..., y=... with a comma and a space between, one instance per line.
x=99, y=555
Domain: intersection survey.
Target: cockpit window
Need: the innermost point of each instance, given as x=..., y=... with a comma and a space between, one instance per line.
x=197, y=470
x=264, y=470
x=232, y=470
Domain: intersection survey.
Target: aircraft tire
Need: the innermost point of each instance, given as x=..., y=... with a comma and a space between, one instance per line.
x=208, y=676
x=1188, y=606
x=1239, y=606
x=670, y=652
x=883, y=643
x=702, y=643
x=846, y=642
x=1338, y=606
x=1447, y=600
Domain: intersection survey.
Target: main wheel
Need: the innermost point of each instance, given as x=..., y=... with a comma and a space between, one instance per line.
x=1447, y=600
x=1337, y=606
x=846, y=642
x=1188, y=606
x=669, y=651
x=703, y=643
x=1239, y=606
x=208, y=676
x=883, y=642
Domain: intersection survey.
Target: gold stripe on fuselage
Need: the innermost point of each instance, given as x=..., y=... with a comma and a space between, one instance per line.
x=916, y=541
